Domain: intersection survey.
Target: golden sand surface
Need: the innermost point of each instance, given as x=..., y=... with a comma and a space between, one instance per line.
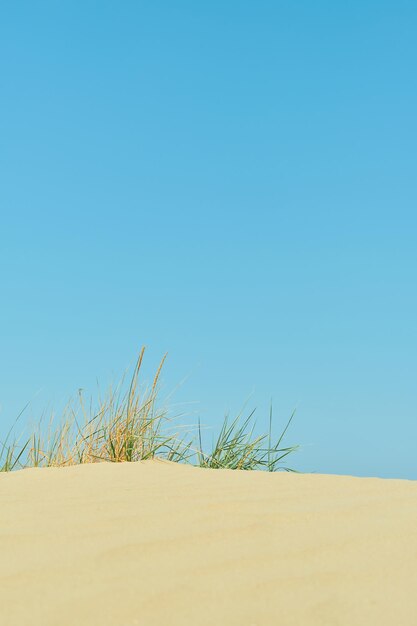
x=160, y=543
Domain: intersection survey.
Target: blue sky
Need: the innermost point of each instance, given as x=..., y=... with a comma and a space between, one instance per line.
x=231, y=182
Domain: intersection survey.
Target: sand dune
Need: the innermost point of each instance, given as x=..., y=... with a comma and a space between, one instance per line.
x=158, y=543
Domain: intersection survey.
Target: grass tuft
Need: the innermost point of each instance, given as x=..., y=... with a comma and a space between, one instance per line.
x=128, y=424
x=237, y=447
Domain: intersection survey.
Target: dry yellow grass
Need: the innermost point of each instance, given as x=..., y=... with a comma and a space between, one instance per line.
x=129, y=423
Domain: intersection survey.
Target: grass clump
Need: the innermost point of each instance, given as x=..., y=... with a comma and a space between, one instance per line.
x=238, y=448
x=130, y=424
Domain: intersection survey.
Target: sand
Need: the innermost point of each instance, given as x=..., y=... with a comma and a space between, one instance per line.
x=160, y=543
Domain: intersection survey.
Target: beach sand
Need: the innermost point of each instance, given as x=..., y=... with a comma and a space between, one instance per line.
x=160, y=543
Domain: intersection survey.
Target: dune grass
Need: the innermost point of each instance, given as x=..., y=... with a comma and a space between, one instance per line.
x=130, y=423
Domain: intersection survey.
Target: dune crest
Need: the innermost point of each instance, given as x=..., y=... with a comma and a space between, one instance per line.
x=161, y=543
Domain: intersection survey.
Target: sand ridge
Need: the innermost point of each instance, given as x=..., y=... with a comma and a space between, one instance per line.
x=160, y=543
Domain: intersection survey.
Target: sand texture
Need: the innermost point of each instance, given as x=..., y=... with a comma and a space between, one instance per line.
x=159, y=543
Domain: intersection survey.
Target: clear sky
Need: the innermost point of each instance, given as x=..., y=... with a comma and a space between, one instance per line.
x=231, y=182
